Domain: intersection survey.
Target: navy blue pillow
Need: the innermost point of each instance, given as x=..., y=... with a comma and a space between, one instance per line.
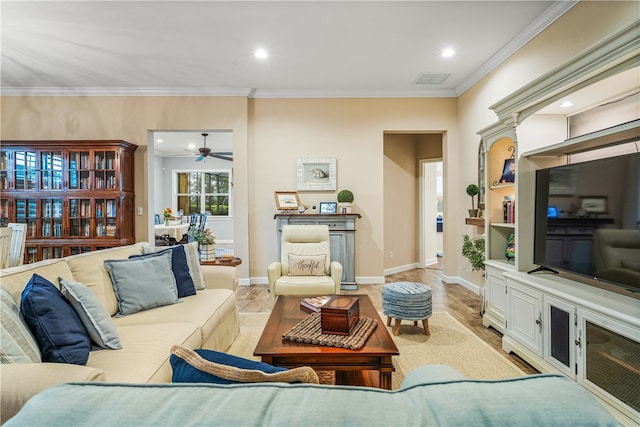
x=180, y=269
x=183, y=372
x=57, y=328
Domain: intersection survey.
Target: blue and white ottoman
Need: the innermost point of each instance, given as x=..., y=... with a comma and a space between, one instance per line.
x=407, y=301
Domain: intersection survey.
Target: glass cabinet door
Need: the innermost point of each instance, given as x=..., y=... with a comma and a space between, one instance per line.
x=78, y=170
x=4, y=212
x=106, y=213
x=105, y=173
x=4, y=172
x=26, y=214
x=75, y=250
x=51, y=217
x=51, y=170
x=25, y=170
x=80, y=217
x=49, y=252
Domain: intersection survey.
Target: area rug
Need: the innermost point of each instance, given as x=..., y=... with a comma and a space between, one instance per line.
x=450, y=343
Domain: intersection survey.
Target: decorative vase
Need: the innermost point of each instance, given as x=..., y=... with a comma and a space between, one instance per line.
x=207, y=253
x=344, y=208
x=166, y=221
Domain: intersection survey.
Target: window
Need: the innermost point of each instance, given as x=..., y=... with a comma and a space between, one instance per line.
x=208, y=191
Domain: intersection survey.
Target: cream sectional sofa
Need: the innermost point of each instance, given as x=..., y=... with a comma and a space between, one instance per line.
x=208, y=319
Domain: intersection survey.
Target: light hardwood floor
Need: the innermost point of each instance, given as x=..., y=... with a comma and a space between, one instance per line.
x=461, y=303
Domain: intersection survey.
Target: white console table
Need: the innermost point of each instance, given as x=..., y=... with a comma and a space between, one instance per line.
x=342, y=229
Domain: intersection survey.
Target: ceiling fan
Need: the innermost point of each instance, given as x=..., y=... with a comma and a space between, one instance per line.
x=205, y=152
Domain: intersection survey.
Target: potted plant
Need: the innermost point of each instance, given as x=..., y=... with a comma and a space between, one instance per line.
x=345, y=201
x=473, y=190
x=206, y=243
x=474, y=250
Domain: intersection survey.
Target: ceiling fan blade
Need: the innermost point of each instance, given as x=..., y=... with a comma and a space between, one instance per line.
x=218, y=156
x=200, y=158
x=223, y=153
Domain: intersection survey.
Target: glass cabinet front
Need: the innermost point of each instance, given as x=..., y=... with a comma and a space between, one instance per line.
x=80, y=217
x=26, y=214
x=106, y=213
x=25, y=165
x=105, y=173
x=51, y=164
x=78, y=170
x=4, y=173
x=51, y=209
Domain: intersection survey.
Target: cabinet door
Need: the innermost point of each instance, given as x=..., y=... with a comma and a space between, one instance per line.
x=105, y=168
x=4, y=170
x=559, y=335
x=495, y=299
x=78, y=170
x=5, y=212
x=524, y=316
x=106, y=214
x=51, y=217
x=51, y=170
x=79, y=217
x=26, y=213
x=24, y=170
x=609, y=360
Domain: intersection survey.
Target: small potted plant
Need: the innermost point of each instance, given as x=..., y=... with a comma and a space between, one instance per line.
x=473, y=190
x=345, y=201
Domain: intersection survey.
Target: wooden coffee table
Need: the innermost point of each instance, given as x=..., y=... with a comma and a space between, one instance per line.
x=369, y=366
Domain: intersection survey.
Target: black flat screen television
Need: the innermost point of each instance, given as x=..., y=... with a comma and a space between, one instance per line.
x=587, y=222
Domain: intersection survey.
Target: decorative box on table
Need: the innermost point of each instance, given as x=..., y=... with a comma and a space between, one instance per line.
x=340, y=315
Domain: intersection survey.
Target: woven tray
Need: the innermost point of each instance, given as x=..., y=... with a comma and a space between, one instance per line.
x=309, y=331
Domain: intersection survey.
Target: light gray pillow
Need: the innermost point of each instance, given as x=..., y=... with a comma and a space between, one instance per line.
x=193, y=260
x=17, y=345
x=142, y=283
x=94, y=316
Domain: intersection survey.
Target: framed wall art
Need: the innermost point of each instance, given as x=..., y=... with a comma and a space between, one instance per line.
x=594, y=204
x=317, y=174
x=287, y=200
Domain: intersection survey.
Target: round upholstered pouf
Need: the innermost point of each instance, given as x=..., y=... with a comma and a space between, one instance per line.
x=407, y=301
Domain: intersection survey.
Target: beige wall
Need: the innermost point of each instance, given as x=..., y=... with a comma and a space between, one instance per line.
x=352, y=130
x=269, y=134
x=402, y=153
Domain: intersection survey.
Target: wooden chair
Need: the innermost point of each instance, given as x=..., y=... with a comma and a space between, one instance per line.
x=203, y=222
x=18, y=241
x=5, y=246
x=156, y=219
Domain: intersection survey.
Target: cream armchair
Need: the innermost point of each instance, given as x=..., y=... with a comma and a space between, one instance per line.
x=305, y=267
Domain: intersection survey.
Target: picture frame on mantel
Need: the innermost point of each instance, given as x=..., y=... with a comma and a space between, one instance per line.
x=317, y=173
x=287, y=200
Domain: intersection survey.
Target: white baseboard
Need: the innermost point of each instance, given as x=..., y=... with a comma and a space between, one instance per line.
x=400, y=269
x=462, y=282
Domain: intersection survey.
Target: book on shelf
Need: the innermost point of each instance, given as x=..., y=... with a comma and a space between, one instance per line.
x=314, y=304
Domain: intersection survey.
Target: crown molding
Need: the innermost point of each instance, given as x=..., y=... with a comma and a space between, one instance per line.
x=410, y=93
x=124, y=91
x=555, y=11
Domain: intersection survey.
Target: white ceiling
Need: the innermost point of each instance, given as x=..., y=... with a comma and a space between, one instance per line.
x=316, y=48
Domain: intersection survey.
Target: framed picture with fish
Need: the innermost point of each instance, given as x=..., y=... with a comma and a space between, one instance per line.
x=317, y=174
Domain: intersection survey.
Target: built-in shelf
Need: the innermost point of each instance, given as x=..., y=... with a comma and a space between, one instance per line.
x=478, y=222
x=503, y=224
x=494, y=187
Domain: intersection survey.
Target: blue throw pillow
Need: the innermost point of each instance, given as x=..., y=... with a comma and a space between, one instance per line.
x=184, y=370
x=57, y=328
x=142, y=283
x=179, y=267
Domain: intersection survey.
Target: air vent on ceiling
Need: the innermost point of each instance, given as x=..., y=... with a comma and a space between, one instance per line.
x=431, y=79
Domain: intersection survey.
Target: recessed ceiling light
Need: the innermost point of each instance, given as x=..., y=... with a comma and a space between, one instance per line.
x=191, y=145
x=566, y=104
x=448, y=52
x=159, y=140
x=261, y=54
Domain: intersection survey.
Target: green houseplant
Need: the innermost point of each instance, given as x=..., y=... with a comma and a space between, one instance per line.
x=345, y=201
x=473, y=190
x=473, y=250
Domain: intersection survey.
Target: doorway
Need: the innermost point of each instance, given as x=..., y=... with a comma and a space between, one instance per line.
x=431, y=212
x=175, y=153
